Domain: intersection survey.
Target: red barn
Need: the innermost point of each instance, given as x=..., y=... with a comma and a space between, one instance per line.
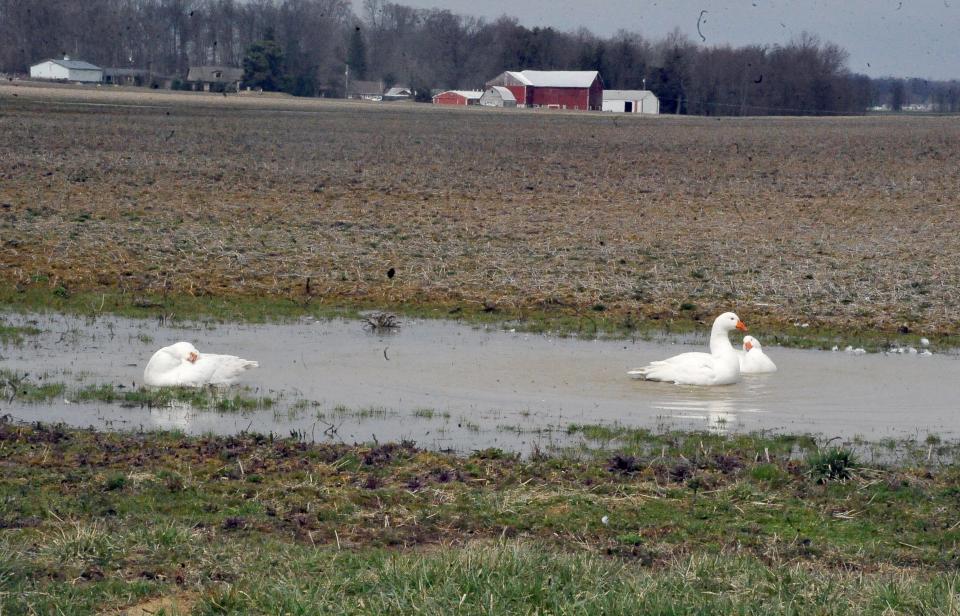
x=554, y=89
x=458, y=97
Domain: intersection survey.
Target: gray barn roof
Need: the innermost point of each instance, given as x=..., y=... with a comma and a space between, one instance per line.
x=73, y=64
x=546, y=79
x=399, y=91
x=471, y=95
x=227, y=74
x=365, y=88
x=627, y=95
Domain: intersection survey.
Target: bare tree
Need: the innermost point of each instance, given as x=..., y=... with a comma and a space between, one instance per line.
x=437, y=48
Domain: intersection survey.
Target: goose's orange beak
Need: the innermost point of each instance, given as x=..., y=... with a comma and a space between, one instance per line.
x=747, y=345
x=741, y=326
x=193, y=357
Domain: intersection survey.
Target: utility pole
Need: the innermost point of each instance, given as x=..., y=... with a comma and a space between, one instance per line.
x=346, y=82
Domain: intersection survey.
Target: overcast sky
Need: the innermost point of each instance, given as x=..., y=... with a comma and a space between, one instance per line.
x=912, y=38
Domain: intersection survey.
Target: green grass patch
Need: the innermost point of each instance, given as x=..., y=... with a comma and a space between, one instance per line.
x=363, y=412
x=16, y=334
x=643, y=442
x=93, y=521
x=769, y=473
x=22, y=387
x=831, y=464
x=198, y=398
x=596, y=432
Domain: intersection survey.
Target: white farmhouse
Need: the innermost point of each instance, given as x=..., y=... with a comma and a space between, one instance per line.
x=68, y=70
x=631, y=101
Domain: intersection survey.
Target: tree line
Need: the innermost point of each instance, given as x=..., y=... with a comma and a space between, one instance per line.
x=305, y=46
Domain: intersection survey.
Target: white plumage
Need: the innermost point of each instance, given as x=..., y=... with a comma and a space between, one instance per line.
x=181, y=364
x=752, y=358
x=718, y=367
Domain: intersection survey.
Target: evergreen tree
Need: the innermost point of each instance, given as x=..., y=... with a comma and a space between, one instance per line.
x=263, y=65
x=357, y=54
x=897, y=95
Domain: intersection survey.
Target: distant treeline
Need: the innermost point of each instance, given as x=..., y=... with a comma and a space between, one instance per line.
x=431, y=48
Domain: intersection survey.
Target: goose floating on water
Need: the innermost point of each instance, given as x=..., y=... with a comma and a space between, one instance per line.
x=182, y=365
x=752, y=358
x=720, y=366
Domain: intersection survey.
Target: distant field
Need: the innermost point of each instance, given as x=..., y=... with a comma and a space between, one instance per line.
x=849, y=223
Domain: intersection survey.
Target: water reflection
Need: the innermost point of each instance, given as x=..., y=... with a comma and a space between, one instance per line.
x=714, y=415
x=720, y=409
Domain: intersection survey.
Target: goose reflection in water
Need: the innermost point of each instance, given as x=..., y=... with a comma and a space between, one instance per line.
x=719, y=416
x=719, y=413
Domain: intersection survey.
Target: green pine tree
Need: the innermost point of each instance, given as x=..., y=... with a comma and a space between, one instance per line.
x=263, y=66
x=357, y=54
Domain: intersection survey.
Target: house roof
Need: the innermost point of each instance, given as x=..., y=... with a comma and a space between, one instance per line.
x=228, y=74
x=368, y=88
x=73, y=64
x=505, y=93
x=556, y=79
x=399, y=91
x=627, y=95
x=467, y=94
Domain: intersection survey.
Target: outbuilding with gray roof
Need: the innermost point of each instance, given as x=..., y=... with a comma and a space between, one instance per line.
x=67, y=70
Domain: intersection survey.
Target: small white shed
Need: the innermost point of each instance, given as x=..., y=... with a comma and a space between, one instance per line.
x=68, y=70
x=398, y=93
x=498, y=96
x=631, y=101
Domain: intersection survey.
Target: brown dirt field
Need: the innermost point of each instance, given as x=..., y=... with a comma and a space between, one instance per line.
x=839, y=222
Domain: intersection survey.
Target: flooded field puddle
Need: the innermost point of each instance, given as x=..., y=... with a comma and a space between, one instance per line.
x=447, y=385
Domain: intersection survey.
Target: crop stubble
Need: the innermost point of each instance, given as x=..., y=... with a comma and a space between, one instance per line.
x=846, y=222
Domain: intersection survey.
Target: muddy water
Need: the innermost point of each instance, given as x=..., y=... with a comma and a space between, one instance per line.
x=447, y=385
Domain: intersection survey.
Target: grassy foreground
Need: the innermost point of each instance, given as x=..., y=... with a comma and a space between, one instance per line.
x=648, y=523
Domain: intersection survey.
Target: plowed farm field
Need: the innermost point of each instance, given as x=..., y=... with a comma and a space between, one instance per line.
x=851, y=223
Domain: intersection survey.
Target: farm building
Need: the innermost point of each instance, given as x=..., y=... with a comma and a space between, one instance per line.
x=68, y=70
x=126, y=76
x=136, y=77
x=458, y=97
x=216, y=78
x=365, y=90
x=398, y=93
x=631, y=101
x=553, y=89
x=498, y=96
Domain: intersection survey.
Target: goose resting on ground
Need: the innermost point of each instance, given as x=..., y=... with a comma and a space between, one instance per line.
x=752, y=358
x=718, y=367
x=181, y=364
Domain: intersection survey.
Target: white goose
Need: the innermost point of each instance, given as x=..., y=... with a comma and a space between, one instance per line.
x=718, y=367
x=181, y=364
x=752, y=358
